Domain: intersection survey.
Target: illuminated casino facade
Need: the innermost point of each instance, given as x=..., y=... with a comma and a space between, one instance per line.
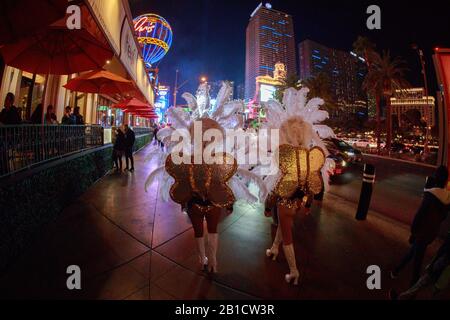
x=270, y=39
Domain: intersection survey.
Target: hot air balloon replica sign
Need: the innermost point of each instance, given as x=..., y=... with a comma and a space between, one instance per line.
x=154, y=35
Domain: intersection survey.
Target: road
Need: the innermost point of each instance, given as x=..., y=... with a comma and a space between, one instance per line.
x=398, y=188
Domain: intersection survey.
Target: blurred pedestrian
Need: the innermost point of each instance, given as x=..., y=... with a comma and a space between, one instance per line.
x=50, y=116
x=437, y=274
x=119, y=149
x=129, y=144
x=77, y=116
x=425, y=227
x=36, y=116
x=10, y=114
x=68, y=118
x=155, y=135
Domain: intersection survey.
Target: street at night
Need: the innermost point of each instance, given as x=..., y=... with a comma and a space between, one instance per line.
x=221, y=158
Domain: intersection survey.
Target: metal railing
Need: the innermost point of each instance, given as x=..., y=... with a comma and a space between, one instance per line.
x=22, y=146
x=138, y=131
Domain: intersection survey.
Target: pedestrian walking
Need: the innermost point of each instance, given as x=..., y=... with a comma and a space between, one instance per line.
x=425, y=227
x=155, y=135
x=10, y=114
x=129, y=145
x=437, y=275
x=119, y=149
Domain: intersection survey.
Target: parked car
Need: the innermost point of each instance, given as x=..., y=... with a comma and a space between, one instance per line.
x=343, y=149
x=362, y=143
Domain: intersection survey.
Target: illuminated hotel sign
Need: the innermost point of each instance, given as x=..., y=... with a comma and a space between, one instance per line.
x=267, y=85
x=154, y=35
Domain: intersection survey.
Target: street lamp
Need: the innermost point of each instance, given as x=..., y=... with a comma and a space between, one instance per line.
x=425, y=81
x=176, y=88
x=203, y=79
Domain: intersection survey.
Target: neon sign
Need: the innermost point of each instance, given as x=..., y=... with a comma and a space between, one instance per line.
x=154, y=35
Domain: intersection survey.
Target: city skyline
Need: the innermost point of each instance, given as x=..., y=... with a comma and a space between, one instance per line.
x=202, y=45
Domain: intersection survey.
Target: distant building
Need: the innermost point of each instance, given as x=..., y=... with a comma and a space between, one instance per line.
x=270, y=39
x=413, y=99
x=345, y=70
x=266, y=86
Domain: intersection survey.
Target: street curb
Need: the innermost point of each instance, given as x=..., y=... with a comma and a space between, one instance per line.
x=420, y=164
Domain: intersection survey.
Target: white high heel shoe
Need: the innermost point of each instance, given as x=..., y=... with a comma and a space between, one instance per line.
x=202, y=259
x=293, y=274
x=213, y=239
x=274, y=250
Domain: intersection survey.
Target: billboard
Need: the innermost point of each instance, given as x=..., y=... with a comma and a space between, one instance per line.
x=266, y=92
x=162, y=102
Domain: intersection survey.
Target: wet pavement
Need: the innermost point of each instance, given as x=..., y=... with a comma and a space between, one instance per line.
x=130, y=245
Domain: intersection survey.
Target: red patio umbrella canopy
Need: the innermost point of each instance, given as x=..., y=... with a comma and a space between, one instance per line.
x=20, y=18
x=59, y=50
x=145, y=114
x=100, y=82
x=132, y=103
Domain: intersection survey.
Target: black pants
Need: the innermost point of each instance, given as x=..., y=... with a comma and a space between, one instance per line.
x=117, y=156
x=129, y=156
x=416, y=252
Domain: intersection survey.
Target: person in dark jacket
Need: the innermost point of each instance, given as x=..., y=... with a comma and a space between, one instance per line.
x=129, y=144
x=68, y=118
x=36, y=117
x=77, y=116
x=10, y=114
x=118, y=150
x=426, y=224
x=436, y=274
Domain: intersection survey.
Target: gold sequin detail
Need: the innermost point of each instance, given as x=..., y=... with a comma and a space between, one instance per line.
x=300, y=169
x=204, y=181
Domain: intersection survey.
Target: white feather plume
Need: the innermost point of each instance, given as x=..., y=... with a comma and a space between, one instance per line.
x=154, y=176
x=240, y=190
x=190, y=100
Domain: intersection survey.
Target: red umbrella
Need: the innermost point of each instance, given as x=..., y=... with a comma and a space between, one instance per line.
x=19, y=18
x=148, y=116
x=59, y=50
x=100, y=82
x=132, y=104
x=145, y=114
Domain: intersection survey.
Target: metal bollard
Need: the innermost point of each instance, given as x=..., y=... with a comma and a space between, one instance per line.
x=366, y=192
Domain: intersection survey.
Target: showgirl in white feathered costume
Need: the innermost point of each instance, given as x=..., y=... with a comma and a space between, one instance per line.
x=201, y=189
x=302, y=161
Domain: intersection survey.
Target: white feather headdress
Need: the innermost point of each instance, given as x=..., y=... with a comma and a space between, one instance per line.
x=298, y=120
x=226, y=115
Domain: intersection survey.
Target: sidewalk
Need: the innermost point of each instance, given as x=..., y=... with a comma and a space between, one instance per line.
x=129, y=245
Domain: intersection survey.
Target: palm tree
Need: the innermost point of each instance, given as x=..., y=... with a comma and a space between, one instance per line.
x=384, y=76
x=320, y=86
x=292, y=81
x=364, y=48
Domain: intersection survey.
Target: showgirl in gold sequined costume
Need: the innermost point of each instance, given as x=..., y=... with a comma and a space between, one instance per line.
x=206, y=183
x=302, y=163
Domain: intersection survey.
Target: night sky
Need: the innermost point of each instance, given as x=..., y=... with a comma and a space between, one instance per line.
x=209, y=35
